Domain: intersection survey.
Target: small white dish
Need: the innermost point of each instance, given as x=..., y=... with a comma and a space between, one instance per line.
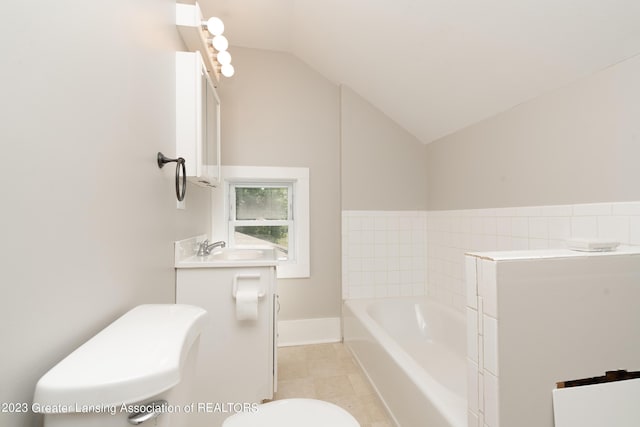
x=592, y=245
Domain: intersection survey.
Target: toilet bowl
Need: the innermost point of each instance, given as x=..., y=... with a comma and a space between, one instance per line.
x=294, y=413
x=138, y=368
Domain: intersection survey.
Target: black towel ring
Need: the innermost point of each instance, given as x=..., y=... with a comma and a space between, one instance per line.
x=180, y=189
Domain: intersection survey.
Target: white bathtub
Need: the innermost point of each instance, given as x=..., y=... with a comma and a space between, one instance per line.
x=413, y=351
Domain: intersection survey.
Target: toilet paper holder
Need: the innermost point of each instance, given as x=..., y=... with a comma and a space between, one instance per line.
x=246, y=276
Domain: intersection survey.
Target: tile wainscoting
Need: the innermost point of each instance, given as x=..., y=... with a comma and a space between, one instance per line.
x=392, y=253
x=383, y=253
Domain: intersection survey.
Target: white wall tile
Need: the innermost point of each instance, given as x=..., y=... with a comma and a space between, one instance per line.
x=418, y=289
x=472, y=387
x=503, y=226
x=367, y=250
x=614, y=228
x=394, y=290
x=381, y=291
x=519, y=243
x=559, y=228
x=353, y=223
x=480, y=317
x=634, y=230
x=471, y=282
x=379, y=278
x=472, y=419
x=490, y=327
x=504, y=243
x=380, y=250
x=380, y=237
x=480, y=353
x=481, y=392
x=584, y=227
x=592, y=209
x=462, y=224
x=520, y=227
x=490, y=225
x=529, y=211
x=488, y=287
x=539, y=228
x=380, y=223
x=440, y=239
x=476, y=225
x=457, y=302
x=406, y=290
x=538, y=244
x=557, y=243
x=491, y=400
x=477, y=242
x=367, y=223
x=388, y=252
x=367, y=237
x=472, y=335
x=354, y=236
x=627, y=208
x=366, y=292
x=490, y=243
x=560, y=210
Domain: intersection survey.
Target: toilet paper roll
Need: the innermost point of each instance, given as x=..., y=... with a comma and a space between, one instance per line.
x=247, y=301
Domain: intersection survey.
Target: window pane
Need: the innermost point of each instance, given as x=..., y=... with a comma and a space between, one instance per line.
x=274, y=236
x=262, y=203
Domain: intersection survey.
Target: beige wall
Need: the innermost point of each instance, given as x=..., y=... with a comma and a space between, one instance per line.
x=88, y=219
x=382, y=164
x=578, y=144
x=276, y=111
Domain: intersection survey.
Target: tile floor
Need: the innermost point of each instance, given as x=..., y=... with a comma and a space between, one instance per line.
x=328, y=372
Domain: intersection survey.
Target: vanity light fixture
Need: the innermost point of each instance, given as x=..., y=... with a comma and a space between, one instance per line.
x=205, y=36
x=227, y=70
x=214, y=25
x=223, y=57
x=220, y=43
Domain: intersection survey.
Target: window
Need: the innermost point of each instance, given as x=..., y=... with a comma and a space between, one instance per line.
x=261, y=215
x=266, y=207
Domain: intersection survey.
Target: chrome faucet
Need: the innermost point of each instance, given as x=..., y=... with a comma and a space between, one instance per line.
x=206, y=247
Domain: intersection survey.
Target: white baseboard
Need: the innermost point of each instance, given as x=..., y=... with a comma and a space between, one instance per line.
x=309, y=331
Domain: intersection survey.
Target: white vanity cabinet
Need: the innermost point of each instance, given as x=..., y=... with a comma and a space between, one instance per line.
x=237, y=358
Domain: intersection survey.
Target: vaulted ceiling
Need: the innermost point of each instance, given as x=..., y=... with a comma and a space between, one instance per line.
x=437, y=66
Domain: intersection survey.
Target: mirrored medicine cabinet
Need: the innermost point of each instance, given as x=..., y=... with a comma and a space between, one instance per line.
x=197, y=120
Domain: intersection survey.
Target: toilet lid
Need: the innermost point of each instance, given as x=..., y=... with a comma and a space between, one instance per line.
x=294, y=413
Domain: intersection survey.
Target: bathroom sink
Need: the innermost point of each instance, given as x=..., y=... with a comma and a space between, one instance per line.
x=229, y=257
x=238, y=254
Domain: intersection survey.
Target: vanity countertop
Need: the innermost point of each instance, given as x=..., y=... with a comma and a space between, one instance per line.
x=186, y=256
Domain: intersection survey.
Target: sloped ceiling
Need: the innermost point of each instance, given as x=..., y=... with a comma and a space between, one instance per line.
x=437, y=66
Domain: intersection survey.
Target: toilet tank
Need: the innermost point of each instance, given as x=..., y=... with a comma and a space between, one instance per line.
x=147, y=355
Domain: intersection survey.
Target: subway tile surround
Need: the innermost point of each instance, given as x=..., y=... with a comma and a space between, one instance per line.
x=383, y=253
x=450, y=234
x=391, y=253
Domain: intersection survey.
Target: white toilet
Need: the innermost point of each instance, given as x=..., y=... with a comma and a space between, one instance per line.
x=138, y=368
x=139, y=371
x=294, y=413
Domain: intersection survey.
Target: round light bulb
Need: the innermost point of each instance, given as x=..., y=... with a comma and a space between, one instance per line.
x=220, y=43
x=224, y=57
x=215, y=26
x=227, y=70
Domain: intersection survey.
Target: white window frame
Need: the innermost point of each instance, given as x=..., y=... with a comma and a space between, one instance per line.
x=299, y=264
x=290, y=222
